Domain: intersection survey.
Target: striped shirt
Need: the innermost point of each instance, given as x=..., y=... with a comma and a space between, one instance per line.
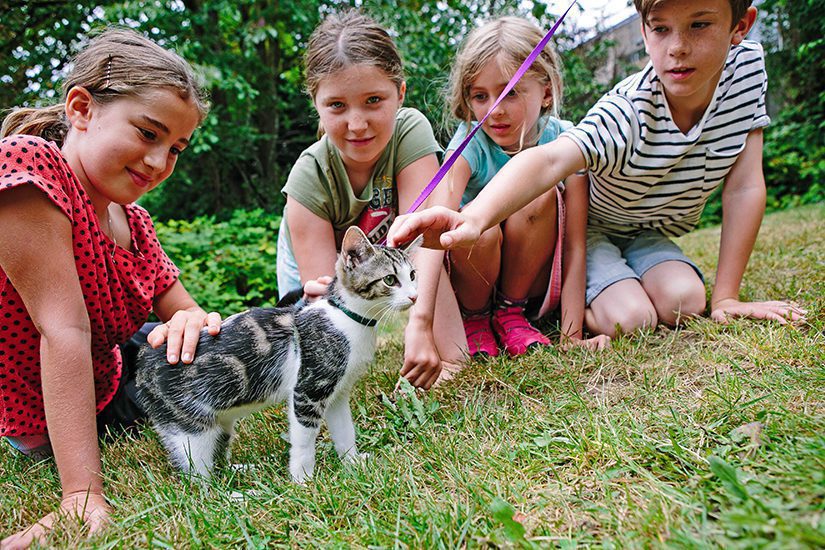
x=644, y=172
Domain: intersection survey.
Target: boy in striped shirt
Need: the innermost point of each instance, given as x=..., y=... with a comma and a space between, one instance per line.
x=656, y=147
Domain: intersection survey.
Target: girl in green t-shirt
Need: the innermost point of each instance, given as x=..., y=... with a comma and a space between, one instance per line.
x=373, y=159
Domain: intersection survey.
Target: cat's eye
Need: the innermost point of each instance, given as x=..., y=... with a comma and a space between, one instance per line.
x=391, y=280
x=412, y=275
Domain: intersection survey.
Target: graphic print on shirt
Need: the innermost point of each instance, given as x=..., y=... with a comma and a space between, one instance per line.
x=377, y=217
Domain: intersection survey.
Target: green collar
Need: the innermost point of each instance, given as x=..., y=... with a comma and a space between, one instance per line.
x=333, y=301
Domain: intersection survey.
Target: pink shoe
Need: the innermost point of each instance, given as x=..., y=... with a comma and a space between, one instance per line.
x=514, y=332
x=480, y=338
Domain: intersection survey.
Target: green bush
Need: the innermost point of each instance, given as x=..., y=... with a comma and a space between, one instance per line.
x=794, y=163
x=227, y=266
x=794, y=166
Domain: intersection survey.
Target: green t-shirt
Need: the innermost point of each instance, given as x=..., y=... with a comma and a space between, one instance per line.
x=319, y=181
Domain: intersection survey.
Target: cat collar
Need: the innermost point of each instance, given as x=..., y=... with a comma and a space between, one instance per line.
x=333, y=301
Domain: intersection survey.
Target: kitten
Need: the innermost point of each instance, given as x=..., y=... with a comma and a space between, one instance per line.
x=309, y=356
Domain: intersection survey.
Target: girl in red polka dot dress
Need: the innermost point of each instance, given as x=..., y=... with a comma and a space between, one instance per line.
x=80, y=264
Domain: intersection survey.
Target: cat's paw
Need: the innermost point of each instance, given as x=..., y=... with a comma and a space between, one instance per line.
x=301, y=477
x=355, y=458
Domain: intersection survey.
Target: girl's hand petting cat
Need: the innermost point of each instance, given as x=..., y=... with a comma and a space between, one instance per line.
x=422, y=364
x=91, y=508
x=316, y=288
x=182, y=332
x=779, y=311
x=442, y=228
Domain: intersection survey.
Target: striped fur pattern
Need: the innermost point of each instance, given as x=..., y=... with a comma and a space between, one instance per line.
x=309, y=356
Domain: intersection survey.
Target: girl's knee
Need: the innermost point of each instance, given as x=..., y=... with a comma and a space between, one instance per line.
x=488, y=245
x=490, y=239
x=540, y=210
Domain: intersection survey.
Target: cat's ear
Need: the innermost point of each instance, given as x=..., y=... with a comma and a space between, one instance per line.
x=414, y=246
x=356, y=247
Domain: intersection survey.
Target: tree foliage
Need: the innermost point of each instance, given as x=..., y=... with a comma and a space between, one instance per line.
x=795, y=142
x=250, y=53
x=229, y=265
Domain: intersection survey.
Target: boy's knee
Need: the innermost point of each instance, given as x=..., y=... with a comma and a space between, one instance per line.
x=625, y=319
x=634, y=317
x=681, y=301
x=676, y=291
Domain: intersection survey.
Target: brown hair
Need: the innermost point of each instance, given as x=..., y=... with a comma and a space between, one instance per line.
x=346, y=39
x=738, y=7
x=507, y=41
x=116, y=63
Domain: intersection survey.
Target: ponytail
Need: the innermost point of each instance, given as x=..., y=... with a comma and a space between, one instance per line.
x=47, y=122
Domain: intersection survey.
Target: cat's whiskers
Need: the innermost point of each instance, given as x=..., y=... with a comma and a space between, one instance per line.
x=379, y=308
x=378, y=315
x=388, y=310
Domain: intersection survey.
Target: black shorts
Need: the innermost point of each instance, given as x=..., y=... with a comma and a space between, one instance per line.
x=123, y=413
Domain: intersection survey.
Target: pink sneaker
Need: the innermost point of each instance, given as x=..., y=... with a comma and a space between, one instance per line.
x=480, y=338
x=514, y=332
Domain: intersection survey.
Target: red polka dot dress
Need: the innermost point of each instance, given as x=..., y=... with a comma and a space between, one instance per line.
x=118, y=286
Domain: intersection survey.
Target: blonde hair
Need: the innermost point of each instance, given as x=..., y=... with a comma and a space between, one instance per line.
x=507, y=41
x=738, y=8
x=116, y=63
x=346, y=39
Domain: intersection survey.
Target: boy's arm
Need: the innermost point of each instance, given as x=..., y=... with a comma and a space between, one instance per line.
x=526, y=176
x=743, y=204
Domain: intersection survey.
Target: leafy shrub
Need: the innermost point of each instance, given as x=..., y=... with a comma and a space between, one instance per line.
x=227, y=266
x=794, y=165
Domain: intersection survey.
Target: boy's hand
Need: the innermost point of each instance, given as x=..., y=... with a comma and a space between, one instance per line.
x=442, y=228
x=778, y=311
x=182, y=332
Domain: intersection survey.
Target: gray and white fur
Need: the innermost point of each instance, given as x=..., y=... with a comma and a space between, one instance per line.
x=308, y=356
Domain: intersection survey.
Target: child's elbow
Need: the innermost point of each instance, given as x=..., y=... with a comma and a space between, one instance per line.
x=751, y=189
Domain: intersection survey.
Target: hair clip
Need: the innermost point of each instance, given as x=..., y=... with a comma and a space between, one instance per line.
x=108, y=71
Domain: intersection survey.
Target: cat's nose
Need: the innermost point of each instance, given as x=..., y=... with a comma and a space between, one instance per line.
x=413, y=298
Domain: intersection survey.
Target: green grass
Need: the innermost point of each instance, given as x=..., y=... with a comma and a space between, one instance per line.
x=650, y=444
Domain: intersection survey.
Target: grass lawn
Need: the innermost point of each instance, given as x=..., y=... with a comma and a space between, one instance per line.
x=706, y=436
